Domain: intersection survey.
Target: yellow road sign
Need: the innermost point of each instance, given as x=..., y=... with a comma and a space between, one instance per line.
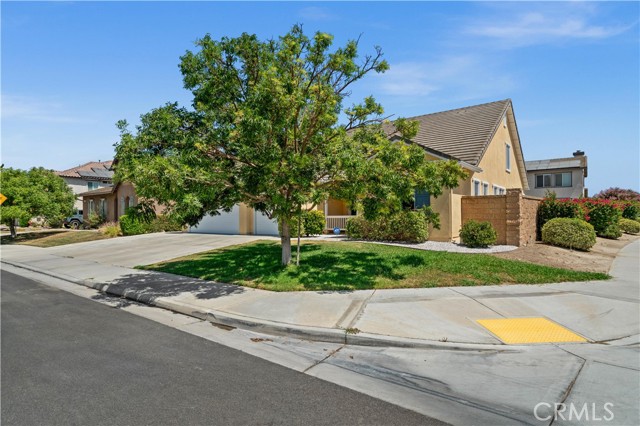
x=2, y=198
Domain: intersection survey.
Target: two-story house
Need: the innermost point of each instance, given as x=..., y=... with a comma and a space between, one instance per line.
x=564, y=176
x=87, y=177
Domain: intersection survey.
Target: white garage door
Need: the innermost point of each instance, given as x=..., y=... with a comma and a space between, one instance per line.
x=265, y=226
x=224, y=223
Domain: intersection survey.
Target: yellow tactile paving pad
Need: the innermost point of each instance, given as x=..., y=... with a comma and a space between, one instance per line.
x=529, y=330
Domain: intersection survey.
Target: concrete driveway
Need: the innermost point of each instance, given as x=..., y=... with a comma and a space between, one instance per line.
x=149, y=248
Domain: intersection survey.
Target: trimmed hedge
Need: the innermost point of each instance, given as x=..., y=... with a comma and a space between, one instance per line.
x=478, y=234
x=133, y=226
x=629, y=226
x=570, y=233
x=408, y=226
x=313, y=222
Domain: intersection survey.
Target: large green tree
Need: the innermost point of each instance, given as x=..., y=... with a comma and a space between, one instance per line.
x=264, y=130
x=37, y=192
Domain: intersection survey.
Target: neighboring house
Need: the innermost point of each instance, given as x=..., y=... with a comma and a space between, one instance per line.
x=482, y=138
x=564, y=176
x=109, y=202
x=87, y=177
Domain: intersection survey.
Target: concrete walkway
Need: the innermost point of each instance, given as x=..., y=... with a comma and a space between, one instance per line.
x=606, y=312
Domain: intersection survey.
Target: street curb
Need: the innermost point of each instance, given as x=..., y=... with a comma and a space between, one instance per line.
x=229, y=320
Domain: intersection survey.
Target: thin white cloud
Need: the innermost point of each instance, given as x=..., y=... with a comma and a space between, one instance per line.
x=314, y=13
x=462, y=77
x=558, y=22
x=30, y=109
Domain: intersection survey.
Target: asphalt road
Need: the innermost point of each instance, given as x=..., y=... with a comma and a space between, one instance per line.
x=70, y=361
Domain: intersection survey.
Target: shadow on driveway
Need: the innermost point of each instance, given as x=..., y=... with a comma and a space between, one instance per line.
x=147, y=286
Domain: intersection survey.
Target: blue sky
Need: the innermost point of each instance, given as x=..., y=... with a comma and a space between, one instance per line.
x=70, y=70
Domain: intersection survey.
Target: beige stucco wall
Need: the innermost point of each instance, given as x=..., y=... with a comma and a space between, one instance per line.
x=246, y=219
x=493, y=164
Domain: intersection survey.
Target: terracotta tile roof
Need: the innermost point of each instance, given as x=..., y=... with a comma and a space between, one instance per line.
x=93, y=170
x=462, y=133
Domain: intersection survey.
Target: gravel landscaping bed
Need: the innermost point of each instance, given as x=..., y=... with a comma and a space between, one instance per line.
x=428, y=245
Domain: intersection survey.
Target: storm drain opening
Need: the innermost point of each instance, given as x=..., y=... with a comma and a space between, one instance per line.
x=513, y=331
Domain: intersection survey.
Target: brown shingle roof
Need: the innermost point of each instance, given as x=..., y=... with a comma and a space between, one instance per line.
x=93, y=170
x=100, y=191
x=462, y=133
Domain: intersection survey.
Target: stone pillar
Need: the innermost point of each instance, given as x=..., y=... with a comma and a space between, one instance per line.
x=513, y=216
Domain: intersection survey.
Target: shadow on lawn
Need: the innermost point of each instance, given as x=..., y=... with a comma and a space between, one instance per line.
x=321, y=268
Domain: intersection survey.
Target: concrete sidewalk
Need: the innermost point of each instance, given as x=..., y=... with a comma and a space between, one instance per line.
x=607, y=311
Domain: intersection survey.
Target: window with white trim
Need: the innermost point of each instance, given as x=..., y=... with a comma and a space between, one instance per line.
x=93, y=185
x=507, y=151
x=476, y=187
x=498, y=190
x=485, y=188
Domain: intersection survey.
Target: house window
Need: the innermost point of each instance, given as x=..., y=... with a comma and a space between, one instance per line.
x=422, y=199
x=498, y=190
x=92, y=207
x=507, y=151
x=92, y=185
x=555, y=180
x=103, y=207
x=485, y=188
x=476, y=187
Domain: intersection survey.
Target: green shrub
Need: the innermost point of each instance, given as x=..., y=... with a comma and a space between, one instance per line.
x=408, y=226
x=570, y=233
x=94, y=220
x=110, y=229
x=631, y=210
x=162, y=223
x=131, y=226
x=629, y=226
x=613, y=232
x=478, y=234
x=604, y=216
x=551, y=208
x=313, y=222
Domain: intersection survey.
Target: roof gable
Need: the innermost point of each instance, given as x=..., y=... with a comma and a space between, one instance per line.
x=462, y=133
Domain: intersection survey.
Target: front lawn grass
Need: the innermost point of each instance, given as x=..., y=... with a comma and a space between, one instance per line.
x=331, y=266
x=52, y=239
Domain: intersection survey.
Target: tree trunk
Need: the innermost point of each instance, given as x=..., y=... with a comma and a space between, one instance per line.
x=299, y=231
x=285, y=241
x=12, y=228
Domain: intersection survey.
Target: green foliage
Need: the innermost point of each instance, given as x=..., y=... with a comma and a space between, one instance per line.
x=478, y=234
x=569, y=232
x=631, y=210
x=409, y=226
x=431, y=216
x=629, y=226
x=551, y=208
x=37, y=192
x=293, y=227
x=94, y=220
x=604, y=216
x=142, y=212
x=264, y=131
x=131, y=226
x=314, y=222
x=110, y=229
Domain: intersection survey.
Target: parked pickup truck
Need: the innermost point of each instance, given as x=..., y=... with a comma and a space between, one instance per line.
x=73, y=222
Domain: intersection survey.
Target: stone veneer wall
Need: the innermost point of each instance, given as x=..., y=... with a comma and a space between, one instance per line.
x=513, y=215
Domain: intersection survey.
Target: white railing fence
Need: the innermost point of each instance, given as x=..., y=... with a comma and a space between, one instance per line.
x=337, y=221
